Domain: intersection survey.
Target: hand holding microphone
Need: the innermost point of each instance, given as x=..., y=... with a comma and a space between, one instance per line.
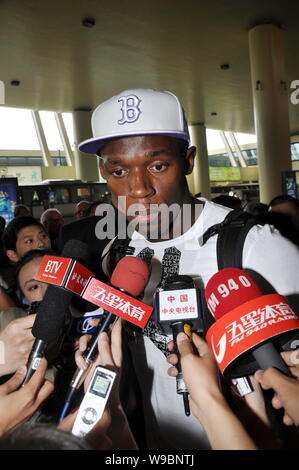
x=286, y=393
x=208, y=405
x=199, y=369
x=178, y=307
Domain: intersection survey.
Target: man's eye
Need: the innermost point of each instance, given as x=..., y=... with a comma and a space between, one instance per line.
x=159, y=167
x=29, y=241
x=118, y=172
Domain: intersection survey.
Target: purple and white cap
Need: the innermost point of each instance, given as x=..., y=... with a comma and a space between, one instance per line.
x=139, y=111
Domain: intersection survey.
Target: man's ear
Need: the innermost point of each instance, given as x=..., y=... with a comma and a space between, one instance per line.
x=12, y=256
x=189, y=160
x=102, y=169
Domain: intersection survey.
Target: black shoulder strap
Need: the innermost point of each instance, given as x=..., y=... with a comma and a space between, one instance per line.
x=231, y=237
x=119, y=249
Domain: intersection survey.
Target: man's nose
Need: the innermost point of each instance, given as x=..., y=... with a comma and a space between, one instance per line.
x=140, y=185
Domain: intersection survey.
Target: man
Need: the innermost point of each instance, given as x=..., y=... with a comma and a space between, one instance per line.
x=21, y=209
x=286, y=205
x=23, y=234
x=52, y=220
x=81, y=209
x=142, y=139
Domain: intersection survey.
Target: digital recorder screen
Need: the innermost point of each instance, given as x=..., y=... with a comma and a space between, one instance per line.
x=100, y=385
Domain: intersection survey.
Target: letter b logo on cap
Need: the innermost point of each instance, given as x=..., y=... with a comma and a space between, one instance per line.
x=130, y=109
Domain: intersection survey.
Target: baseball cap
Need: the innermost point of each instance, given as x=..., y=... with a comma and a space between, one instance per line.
x=138, y=111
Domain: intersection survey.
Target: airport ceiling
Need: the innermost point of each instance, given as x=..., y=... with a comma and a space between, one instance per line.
x=177, y=45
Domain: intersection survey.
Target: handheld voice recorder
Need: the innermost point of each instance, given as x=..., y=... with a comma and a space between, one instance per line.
x=94, y=401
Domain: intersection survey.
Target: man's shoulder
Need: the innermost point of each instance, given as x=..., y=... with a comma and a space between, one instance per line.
x=213, y=214
x=80, y=226
x=83, y=230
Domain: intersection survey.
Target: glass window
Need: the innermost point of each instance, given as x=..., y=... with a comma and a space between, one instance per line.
x=51, y=130
x=83, y=193
x=250, y=156
x=220, y=159
x=68, y=122
x=59, y=195
x=59, y=161
x=295, y=151
x=21, y=161
x=25, y=138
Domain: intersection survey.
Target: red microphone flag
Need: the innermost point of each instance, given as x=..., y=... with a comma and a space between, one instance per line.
x=253, y=318
x=64, y=272
x=130, y=274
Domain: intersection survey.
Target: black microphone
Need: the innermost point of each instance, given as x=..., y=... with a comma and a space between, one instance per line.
x=179, y=309
x=52, y=311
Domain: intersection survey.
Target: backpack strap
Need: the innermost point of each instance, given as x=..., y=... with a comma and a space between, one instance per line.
x=232, y=237
x=232, y=232
x=119, y=249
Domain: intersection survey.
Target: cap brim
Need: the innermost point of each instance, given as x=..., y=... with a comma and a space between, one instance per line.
x=93, y=145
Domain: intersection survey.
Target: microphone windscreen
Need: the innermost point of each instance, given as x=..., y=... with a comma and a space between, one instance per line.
x=52, y=310
x=229, y=288
x=75, y=249
x=130, y=274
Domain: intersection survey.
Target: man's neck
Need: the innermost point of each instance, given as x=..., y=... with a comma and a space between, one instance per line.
x=187, y=216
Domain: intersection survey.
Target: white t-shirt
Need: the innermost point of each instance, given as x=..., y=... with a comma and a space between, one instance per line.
x=266, y=253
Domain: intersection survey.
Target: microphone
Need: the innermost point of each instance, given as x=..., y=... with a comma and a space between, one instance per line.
x=130, y=277
x=52, y=310
x=250, y=327
x=179, y=309
x=71, y=275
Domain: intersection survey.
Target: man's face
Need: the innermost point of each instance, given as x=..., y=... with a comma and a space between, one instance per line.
x=146, y=171
x=54, y=223
x=29, y=238
x=287, y=208
x=81, y=210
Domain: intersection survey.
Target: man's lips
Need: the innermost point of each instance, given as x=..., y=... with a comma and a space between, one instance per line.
x=146, y=217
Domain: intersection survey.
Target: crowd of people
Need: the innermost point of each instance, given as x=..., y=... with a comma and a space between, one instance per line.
x=145, y=161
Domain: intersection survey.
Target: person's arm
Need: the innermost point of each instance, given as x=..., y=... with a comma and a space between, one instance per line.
x=18, y=405
x=287, y=393
x=224, y=430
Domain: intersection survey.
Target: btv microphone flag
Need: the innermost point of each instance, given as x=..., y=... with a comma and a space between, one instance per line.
x=245, y=319
x=64, y=272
